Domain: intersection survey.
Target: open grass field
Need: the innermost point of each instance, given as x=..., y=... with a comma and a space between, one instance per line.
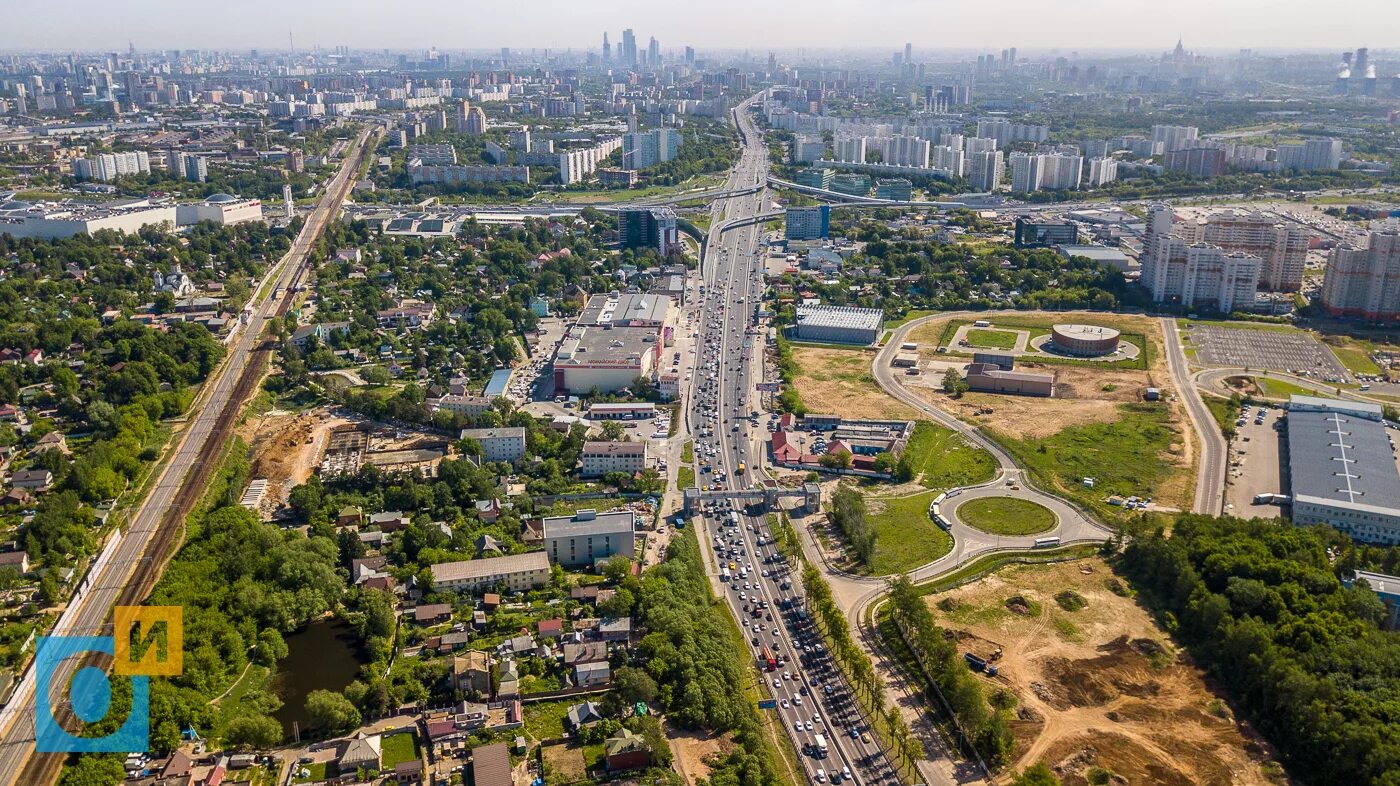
x=1006, y=516
x=1100, y=693
x=685, y=478
x=1138, y=331
x=1272, y=388
x=905, y=536
x=839, y=381
x=943, y=459
x=991, y=339
x=1140, y=454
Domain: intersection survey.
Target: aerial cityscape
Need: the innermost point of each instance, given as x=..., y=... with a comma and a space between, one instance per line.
x=883, y=395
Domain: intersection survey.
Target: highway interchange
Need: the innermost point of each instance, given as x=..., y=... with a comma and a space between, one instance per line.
x=88, y=613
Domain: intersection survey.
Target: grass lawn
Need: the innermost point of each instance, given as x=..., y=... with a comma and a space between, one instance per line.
x=1268, y=327
x=1281, y=389
x=395, y=748
x=943, y=459
x=1037, y=325
x=905, y=537
x=316, y=772
x=1127, y=457
x=255, y=678
x=545, y=720
x=993, y=339
x=1356, y=359
x=1224, y=412
x=568, y=507
x=1006, y=516
x=688, y=451
x=891, y=324
x=685, y=478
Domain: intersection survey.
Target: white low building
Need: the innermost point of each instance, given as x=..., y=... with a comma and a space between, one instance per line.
x=600, y=458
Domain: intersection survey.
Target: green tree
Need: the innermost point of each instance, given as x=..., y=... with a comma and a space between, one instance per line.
x=330, y=713
x=953, y=383
x=1037, y=774
x=271, y=647
x=253, y=732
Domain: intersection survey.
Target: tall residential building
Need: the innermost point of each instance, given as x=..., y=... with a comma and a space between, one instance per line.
x=648, y=228
x=984, y=170
x=903, y=150
x=1196, y=161
x=1363, y=277
x=644, y=149
x=1200, y=275
x=187, y=165
x=950, y=159
x=1102, y=171
x=107, y=167
x=850, y=148
x=1004, y=131
x=1050, y=172
x=808, y=223
x=1174, y=137
x=475, y=121
x=1282, y=247
x=808, y=149
x=1312, y=154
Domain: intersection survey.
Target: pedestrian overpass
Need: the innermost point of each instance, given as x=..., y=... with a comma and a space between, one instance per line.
x=807, y=498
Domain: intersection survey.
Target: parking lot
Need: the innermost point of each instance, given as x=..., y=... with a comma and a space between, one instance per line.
x=1257, y=464
x=1297, y=353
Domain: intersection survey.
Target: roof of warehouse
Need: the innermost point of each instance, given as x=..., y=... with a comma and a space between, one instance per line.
x=1342, y=458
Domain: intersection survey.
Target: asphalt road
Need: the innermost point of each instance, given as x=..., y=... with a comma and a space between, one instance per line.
x=814, y=701
x=87, y=614
x=1210, y=468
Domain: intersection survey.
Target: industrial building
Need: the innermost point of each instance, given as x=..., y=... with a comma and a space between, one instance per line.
x=605, y=359
x=1342, y=469
x=50, y=220
x=839, y=324
x=1002, y=360
x=598, y=458
x=516, y=572
x=1033, y=233
x=987, y=378
x=222, y=209
x=1086, y=341
x=586, y=537
x=1110, y=257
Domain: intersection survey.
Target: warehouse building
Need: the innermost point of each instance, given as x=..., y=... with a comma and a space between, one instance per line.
x=839, y=324
x=1342, y=468
x=987, y=378
x=626, y=310
x=605, y=359
x=586, y=537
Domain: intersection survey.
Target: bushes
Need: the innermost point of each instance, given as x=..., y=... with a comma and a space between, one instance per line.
x=1258, y=605
x=985, y=729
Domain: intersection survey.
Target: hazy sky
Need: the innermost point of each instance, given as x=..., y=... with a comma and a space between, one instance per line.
x=931, y=25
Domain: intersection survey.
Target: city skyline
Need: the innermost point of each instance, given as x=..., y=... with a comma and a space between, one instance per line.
x=161, y=24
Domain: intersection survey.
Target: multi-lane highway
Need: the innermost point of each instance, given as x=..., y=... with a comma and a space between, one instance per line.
x=815, y=705
x=131, y=559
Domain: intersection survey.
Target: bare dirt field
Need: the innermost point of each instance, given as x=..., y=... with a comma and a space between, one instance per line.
x=565, y=762
x=838, y=381
x=1099, y=690
x=691, y=750
x=285, y=448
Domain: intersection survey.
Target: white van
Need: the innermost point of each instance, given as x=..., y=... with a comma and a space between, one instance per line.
x=821, y=775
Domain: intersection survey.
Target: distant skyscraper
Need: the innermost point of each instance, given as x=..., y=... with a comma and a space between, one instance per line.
x=653, y=53
x=690, y=55
x=607, y=48
x=629, y=47
x=908, y=53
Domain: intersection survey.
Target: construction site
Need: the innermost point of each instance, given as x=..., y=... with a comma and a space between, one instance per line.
x=1100, y=693
x=287, y=448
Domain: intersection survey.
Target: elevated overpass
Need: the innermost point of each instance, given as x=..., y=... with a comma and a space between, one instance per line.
x=808, y=497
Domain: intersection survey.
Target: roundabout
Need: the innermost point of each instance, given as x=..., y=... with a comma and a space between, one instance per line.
x=1008, y=516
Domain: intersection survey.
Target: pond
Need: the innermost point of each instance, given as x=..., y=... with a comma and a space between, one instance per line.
x=324, y=655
